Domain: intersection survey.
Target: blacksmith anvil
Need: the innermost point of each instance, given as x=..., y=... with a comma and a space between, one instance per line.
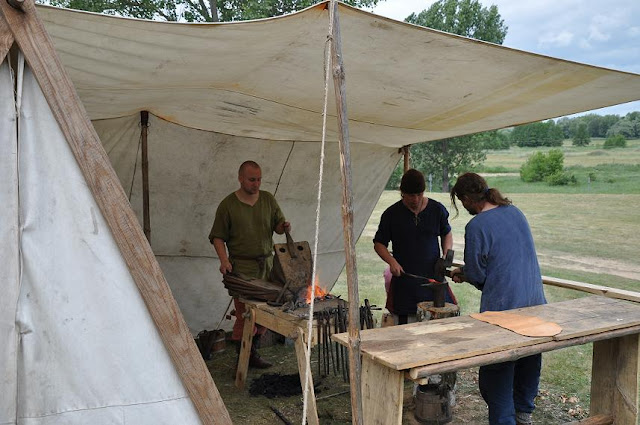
x=438, y=284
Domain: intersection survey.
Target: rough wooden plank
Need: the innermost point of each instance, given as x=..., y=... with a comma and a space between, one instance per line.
x=245, y=346
x=605, y=291
x=301, y=355
x=593, y=289
x=594, y=420
x=382, y=393
x=587, y=316
x=274, y=323
x=35, y=43
x=6, y=38
x=514, y=354
x=275, y=319
x=418, y=344
x=444, y=340
x=614, y=379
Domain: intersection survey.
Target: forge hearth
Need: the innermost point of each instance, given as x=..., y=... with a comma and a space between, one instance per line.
x=301, y=308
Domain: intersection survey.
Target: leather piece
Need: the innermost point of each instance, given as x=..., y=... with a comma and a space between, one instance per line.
x=523, y=325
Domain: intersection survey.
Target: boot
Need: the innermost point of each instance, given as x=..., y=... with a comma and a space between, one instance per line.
x=254, y=359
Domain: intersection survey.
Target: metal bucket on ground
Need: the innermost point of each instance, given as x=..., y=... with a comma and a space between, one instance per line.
x=219, y=341
x=432, y=407
x=210, y=342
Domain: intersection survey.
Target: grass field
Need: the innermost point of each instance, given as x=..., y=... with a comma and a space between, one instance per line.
x=586, y=233
x=597, y=170
x=586, y=156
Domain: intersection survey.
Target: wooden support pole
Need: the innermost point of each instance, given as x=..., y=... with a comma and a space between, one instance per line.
x=355, y=367
x=6, y=38
x=245, y=346
x=407, y=158
x=74, y=123
x=146, y=220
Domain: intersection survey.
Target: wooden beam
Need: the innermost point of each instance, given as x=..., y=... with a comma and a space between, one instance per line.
x=605, y=291
x=407, y=158
x=242, y=369
x=35, y=43
x=146, y=219
x=6, y=38
x=355, y=366
x=515, y=353
x=594, y=420
x=593, y=289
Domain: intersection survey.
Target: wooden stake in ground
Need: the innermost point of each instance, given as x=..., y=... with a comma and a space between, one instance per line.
x=66, y=107
x=355, y=366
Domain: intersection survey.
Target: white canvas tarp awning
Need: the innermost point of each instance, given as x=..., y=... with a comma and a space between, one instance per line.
x=264, y=79
x=220, y=94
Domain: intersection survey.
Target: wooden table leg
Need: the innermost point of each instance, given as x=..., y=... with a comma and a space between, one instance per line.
x=245, y=348
x=614, y=379
x=301, y=354
x=382, y=393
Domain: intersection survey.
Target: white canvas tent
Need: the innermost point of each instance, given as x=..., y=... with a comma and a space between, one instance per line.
x=90, y=332
x=217, y=94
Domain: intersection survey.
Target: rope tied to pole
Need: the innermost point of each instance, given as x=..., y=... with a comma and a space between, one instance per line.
x=327, y=69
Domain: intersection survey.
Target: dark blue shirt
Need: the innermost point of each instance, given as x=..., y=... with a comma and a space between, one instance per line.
x=500, y=260
x=415, y=245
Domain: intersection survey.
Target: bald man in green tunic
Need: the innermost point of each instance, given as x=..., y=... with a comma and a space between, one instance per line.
x=242, y=236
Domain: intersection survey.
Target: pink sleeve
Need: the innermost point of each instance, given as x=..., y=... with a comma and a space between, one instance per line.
x=387, y=279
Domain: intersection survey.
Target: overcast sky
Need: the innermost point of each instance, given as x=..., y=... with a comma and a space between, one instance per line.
x=597, y=32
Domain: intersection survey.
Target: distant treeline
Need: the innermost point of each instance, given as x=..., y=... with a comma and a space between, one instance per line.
x=552, y=133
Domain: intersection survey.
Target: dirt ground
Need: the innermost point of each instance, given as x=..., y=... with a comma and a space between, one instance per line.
x=333, y=397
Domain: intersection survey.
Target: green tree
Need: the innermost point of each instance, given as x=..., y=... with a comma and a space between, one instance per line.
x=629, y=126
x=615, y=141
x=470, y=19
x=196, y=10
x=539, y=166
x=581, y=136
x=448, y=157
x=463, y=17
x=495, y=139
x=542, y=133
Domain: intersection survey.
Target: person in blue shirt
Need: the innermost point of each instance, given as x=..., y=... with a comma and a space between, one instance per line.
x=500, y=260
x=417, y=228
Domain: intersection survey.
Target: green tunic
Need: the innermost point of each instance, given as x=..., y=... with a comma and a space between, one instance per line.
x=248, y=232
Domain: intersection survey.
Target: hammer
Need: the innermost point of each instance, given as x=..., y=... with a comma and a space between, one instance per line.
x=440, y=268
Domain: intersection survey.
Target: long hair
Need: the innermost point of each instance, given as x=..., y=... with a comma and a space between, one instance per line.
x=475, y=188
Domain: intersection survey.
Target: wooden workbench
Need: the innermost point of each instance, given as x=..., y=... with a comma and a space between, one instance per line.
x=287, y=324
x=421, y=349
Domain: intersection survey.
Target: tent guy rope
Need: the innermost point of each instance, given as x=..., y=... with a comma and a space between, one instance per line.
x=327, y=70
